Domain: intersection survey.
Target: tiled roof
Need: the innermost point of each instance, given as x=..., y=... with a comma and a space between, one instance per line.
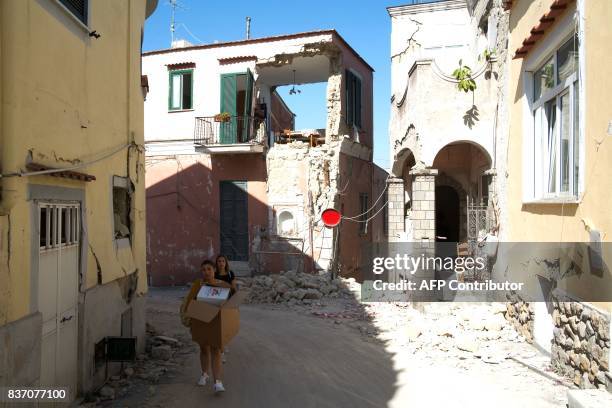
x=237, y=59
x=74, y=175
x=557, y=8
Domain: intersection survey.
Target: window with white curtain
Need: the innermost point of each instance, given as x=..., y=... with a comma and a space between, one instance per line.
x=556, y=123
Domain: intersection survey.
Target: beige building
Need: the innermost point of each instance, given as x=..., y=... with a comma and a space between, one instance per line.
x=72, y=223
x=558, y=177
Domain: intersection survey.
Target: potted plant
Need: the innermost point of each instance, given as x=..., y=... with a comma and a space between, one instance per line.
x=223, y=117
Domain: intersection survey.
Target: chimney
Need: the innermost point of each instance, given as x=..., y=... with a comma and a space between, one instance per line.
x=248, y=28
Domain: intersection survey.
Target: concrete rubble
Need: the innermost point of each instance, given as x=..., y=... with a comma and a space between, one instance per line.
x=141, y=377
x=293, y=287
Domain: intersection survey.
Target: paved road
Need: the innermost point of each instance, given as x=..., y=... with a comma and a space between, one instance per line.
x=283, y=359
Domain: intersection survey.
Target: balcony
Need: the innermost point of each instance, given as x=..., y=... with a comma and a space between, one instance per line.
x=237, y=135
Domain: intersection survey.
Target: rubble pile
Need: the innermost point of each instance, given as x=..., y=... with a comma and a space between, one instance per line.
x=144, y=373
x=293, y=288
x=449, y=329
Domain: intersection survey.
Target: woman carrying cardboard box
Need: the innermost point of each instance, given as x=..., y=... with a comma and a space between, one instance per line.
x=208, y=354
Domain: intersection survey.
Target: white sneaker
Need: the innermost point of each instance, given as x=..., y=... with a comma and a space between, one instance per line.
x=218, y=387
x=203, y=380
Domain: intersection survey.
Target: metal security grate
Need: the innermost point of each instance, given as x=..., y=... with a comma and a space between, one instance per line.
x=476, y=220
x=77, y=7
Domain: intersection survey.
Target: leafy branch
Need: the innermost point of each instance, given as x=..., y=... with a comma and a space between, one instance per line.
x=463, y=75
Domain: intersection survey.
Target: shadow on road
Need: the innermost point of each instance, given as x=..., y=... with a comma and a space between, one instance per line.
x=282, y=357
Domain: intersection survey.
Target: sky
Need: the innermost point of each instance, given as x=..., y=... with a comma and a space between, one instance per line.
x=364, y=24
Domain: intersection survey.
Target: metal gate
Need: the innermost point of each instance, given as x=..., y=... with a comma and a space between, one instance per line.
x=477, y=219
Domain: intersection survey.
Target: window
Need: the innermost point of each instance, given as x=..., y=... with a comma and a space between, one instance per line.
x=122, y=203
x=77, y=8
x=363, y=211
x=180, y=94
x=556, y=124
x=353, y=99
x=58, y=225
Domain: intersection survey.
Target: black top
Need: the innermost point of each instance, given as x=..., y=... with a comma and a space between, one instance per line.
x=229, y=277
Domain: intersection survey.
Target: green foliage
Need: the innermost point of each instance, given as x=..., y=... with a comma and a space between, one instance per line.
x=488, y=54
x=463, y=75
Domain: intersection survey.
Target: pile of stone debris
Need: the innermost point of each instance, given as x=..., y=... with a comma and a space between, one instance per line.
x=293, y=288
x=142, y=375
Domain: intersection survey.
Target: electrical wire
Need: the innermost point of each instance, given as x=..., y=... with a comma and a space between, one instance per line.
x=71, y=168
x=372, y=217
x=373, y=205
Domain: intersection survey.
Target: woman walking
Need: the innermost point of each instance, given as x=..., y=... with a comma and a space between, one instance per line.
x=224, y=272
x=209, y=355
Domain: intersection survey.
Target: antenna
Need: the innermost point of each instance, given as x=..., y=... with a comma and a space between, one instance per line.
x=248, y=28
x=175, y=4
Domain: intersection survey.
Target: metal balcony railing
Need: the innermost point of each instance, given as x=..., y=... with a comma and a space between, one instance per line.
x=237, y=129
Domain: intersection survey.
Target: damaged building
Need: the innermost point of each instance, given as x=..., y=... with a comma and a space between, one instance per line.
x=228, y=172
x=443, y=122
x=491, y=142
x=72, y=232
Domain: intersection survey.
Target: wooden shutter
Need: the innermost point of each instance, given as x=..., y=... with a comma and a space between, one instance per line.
x=247, y=124
x=350, y=97
x=357, y=101
x=228, y=130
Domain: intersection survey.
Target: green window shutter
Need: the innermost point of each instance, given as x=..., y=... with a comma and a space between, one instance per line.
x=357, y=101
x=228, y=131
x=350, y=96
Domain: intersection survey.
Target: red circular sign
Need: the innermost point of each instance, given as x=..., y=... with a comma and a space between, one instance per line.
x=331, y=217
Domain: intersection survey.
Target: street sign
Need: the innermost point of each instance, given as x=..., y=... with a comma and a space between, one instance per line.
x=331, y=217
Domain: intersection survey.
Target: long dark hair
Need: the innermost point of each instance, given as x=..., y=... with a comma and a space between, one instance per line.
x=227, y=265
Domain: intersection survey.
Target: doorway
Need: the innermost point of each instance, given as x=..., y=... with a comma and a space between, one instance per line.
x=447, y=214
x=234, y=220
x=59, y=236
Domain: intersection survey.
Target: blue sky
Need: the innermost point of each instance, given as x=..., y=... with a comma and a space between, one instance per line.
x=364, y=25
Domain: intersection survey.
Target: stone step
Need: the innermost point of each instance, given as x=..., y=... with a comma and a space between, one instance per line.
x=589, y=399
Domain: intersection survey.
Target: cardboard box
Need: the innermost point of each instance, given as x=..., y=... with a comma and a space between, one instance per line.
x=215, y=325
x=213, y=294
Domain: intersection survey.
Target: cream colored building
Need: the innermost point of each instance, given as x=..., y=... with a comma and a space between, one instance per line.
x=558, y=177
x=72, y=221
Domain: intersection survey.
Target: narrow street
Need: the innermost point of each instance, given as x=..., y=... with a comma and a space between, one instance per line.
x=325, y=355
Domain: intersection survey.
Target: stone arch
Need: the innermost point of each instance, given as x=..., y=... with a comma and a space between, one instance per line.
x=404, y=158
x=479, y=147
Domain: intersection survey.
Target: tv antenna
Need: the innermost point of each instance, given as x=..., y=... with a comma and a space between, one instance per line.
x=175, y=4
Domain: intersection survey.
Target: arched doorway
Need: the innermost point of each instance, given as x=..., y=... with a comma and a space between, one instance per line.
x=447, y=214
x=462, y=181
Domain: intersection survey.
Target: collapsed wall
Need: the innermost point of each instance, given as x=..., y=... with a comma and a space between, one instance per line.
x=302, y=182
